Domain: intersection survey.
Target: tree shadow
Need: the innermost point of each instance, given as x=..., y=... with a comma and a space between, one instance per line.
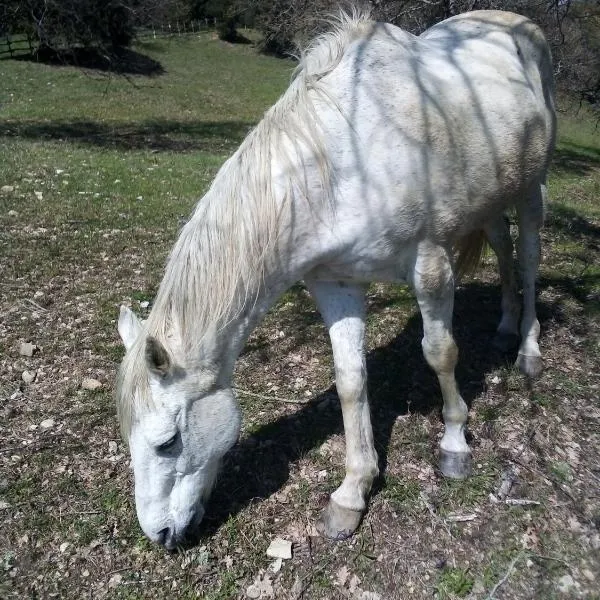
x=122, y=61
x=156, y=134
x=575, y=159
x=565, y=220
x=399, y=381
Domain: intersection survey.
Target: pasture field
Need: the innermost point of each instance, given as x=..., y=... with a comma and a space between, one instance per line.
x=96, y=174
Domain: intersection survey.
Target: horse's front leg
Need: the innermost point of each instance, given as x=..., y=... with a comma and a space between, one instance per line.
x=343, y=310
x=434, y=287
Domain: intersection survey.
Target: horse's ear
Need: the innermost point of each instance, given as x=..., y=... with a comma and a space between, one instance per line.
x=129, y=327
x=157, y=358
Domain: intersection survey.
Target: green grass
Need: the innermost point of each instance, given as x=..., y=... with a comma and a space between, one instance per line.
x=454, y=583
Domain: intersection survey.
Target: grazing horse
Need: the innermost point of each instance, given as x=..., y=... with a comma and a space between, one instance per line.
x=387, y=153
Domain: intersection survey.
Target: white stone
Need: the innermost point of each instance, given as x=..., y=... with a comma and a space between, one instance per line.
x=253, y=591
x=64, y=546
x=13, y=213
x=28, y=376
x=39, y=195
x=280, y=548
x=27, y=349
x=565, y=584
x=7, y=189
x=112, y=447
x=144, y=304
x=47, y=423
x=276, y=565
x=90, y=384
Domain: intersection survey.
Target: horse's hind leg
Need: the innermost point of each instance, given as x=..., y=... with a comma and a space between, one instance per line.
x=497, y=231
x=530, y=213
x=342, y=308
x=433, y=281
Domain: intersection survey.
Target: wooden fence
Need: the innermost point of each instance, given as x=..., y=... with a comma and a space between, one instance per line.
x=16, y=45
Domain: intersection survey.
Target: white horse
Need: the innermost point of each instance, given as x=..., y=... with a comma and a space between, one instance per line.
x=386, y=153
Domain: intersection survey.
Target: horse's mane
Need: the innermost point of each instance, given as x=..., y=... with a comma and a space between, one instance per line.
x=216, y=266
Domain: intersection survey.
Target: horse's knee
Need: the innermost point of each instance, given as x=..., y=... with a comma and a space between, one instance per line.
x=350, y=381
x=441, y=354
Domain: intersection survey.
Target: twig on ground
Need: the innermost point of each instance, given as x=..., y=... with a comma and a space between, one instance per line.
x=434, y=516
x=521, y=502
x=461, y=518
x=553, y=558
x=508, y=573
x=33, y=304
x=270, y=398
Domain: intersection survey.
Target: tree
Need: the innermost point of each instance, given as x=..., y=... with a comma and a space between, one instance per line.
x=572, y=27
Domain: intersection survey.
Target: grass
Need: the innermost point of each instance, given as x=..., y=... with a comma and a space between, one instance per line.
x=97, y=175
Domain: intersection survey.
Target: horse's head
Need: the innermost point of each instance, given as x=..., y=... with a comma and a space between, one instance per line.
x=180, y=423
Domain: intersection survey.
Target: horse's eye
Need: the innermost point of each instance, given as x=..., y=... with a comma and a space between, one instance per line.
x=168, y=444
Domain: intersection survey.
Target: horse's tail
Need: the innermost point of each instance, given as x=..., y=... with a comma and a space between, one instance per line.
x=469, y=250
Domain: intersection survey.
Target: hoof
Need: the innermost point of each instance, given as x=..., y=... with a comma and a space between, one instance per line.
x=338, y=523
x=505, y=342
x=456, y=465
x=532, y=366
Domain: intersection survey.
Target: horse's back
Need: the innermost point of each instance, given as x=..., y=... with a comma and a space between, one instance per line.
x=440, y=130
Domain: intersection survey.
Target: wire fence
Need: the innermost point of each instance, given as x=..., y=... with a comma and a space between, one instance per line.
x=178, y=28
x=12, y=46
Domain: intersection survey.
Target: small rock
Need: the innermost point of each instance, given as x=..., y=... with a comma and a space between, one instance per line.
x=280, y=548
x=4, y=504
x=495, y=380
x=588, y=574
x=113, y=447
x=91, y=384
x=253, y=591
x=115, y=580
x=7, y=189
x=47, y=423
x=566, y=584
x=13, y=213
x=39, y=294
x=39, y=195
x=144, y=304
x=275, y=566
x=28, y=376
x=364, y=595
x=27, y=349
x=64, y=546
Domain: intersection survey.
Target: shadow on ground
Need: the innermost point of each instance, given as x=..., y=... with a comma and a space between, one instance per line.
x=575, y=159
x=156, y=134
x=399, y=381
x=122, y=61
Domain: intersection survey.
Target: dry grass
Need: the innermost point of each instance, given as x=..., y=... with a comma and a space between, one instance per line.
x=98, y=237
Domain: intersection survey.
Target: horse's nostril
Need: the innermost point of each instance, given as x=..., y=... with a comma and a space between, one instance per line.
x=163, y=536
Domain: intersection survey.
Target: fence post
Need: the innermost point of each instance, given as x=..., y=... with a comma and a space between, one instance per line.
x=10, y=50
